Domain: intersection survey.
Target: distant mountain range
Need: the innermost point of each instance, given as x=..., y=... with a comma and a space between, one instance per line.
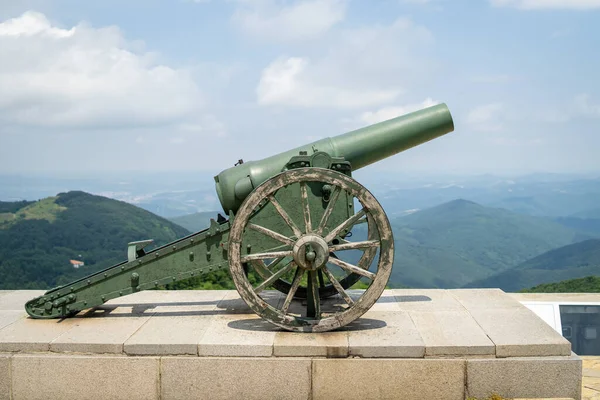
x=197, y=221
x=38, y=239
x=577, y=260
x=459, y=243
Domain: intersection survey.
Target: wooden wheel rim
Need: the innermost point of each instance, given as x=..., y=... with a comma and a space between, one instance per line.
x=370, y=295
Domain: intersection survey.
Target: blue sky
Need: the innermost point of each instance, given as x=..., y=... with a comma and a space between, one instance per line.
x=195, y=85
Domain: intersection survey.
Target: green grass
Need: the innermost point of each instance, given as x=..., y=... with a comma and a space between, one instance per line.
x=45, y=209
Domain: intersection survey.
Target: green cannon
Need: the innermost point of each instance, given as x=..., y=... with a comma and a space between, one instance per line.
x=297, y=224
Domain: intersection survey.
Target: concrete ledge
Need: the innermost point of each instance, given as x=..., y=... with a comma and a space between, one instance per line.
x=51, y=376
x=388, y=379
x=235, y=378
x=525, y=377
x=61, y=376
x=413, y=344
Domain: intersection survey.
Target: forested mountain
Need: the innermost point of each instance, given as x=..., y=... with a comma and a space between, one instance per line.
x=589, y=284
x=574, y=261
x=461, y=241
x=38, y=239
x=450, y=245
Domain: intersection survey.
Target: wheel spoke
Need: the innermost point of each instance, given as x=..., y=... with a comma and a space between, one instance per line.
x=351, y=268
x=295, y=284
x=350, y=221
x=321, y=279
x=328, y=210
x=313, y=304
x=285, y=216
x=262, y=256
x=306, y=208
x=262, y=269
x=336, y=284
x=274, y=277
x=270, y=233
x=355, y=245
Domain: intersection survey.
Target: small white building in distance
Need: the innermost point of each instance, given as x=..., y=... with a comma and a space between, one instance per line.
x=76, y=263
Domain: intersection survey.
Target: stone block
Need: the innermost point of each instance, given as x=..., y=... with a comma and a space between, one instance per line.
x=451, y=333
x=235, y=378
x=484, y=299
x=5, y=377
x=534, y=377
x=168, y=335
x=348, y=379
x=384, y=334
x=519, y=332
x=179, y=320
x=104, y=330
x=8, y=317
x=170, y=302
x=27, y=334
x=425, y=300
x=325, y=344
x=234, y=335
x=49, y=377
x=15, y=300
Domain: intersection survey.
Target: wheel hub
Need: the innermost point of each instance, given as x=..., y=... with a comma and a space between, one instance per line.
x=311, y=252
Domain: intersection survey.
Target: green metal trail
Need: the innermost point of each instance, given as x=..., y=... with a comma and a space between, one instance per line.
x=191, y=256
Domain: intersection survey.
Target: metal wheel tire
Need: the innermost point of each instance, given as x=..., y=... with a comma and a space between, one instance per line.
x=313, y=320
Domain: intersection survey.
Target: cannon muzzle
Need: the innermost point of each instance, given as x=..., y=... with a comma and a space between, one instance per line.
x=361, y=147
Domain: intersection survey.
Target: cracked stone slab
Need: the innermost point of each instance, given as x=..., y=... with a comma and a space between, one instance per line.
x=28, y=335
x=233, y=335
x=452, y=333
x=103, y=330
x=325, y=344
x=384, y=334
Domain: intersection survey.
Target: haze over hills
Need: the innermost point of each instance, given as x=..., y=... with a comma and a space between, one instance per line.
x=460, y=241
x=38, y=239
x=577, y=260
x=197, y=221
x=497, y=223
x=177, y=193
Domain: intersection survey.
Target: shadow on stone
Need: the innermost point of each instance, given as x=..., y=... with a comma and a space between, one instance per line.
x=257, y=324
x=364, y=324
x=407, y=299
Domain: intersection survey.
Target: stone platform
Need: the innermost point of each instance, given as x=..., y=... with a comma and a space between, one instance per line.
x=413, y=344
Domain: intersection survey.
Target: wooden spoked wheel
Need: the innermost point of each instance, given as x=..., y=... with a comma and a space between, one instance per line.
x=311, y=254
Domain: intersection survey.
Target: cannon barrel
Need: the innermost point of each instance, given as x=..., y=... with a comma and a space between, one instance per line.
x=360, y=147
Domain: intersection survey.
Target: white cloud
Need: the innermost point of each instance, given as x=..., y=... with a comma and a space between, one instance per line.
x=385, y=113
x=500, y=78
x=548, y=4
x=357, y=68
x=486, y=117
x=584, y=106
x=288, y=81
x=86, y=77
x=273, y=21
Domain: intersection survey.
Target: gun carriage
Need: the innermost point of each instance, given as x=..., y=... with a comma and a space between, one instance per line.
x=291, y=218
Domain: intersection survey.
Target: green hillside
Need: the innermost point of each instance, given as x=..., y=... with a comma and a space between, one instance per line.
x=195, y=222
x=589, y=284
x=37, y=239
x=574, y=261
x=461, y=241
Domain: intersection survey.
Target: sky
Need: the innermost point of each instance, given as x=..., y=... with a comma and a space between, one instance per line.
x=183, y=85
